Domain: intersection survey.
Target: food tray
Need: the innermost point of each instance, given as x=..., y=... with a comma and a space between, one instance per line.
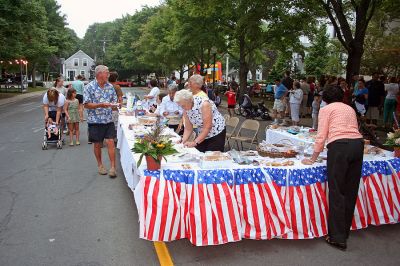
x=214, y=161
x=274, y=153
x=147, y=120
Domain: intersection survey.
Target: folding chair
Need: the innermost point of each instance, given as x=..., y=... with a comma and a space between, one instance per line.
x=231, y=125
x=226, y=117
x=252, y=126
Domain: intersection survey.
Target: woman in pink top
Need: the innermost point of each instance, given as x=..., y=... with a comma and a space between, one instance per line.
x=338, y=127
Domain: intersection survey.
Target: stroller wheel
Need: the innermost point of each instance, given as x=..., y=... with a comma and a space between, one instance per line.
x=59, y=145
x=238, y=110
x=44, y=146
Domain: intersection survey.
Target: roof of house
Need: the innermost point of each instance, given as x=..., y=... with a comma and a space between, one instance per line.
x=74, y=55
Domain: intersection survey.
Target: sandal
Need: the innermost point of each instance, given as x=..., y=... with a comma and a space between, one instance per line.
x=338, y=245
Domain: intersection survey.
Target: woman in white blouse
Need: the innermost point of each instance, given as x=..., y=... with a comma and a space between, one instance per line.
x=296, y=97
x=203, y=113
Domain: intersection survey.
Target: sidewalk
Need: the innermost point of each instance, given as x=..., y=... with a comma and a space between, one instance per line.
x=19, y=97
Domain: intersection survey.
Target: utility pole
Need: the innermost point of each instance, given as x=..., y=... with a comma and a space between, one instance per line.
x=104, y=41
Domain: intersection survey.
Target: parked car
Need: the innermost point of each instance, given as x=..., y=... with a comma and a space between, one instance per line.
x=125, y=83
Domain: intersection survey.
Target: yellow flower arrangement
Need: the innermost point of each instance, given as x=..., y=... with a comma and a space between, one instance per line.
x=154, y=144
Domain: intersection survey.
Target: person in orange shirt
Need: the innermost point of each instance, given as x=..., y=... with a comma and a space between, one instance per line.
x=338, y=127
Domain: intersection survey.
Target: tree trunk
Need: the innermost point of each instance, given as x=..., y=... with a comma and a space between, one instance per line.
x=34, y=75
x=253, y=71
x=353, y=61
x=243, y=69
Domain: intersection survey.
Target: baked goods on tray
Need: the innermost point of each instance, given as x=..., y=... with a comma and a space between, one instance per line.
x=276, y=150
x=147, y=120
x=278, y=164
x=215, y=160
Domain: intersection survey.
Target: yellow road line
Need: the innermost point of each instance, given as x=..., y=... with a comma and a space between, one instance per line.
x=163, y=254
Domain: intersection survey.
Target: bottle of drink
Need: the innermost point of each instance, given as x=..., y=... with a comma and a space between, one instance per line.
x=139, y=108
x=129, y=102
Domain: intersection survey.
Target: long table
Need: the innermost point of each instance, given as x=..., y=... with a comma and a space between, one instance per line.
x=216, y=206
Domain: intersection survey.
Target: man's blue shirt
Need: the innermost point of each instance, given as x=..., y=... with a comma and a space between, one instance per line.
x=94, y=94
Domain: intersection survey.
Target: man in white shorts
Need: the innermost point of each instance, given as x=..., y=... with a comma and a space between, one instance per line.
x=279, y=105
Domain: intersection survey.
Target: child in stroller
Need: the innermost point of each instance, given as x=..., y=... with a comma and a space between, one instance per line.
x=52, y=133
x=51, y=128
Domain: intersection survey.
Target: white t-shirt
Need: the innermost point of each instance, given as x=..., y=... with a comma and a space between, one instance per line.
x=154, y=92
x=52, y=105
x=392, y=90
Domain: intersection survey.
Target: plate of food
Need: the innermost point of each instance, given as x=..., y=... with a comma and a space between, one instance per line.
x=147, y=120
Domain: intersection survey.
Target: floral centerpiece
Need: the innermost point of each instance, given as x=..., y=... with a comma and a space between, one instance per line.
x=393, y=140
x=154, y=146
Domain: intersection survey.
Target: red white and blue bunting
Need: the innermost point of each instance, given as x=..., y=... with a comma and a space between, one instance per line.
x=212, y=207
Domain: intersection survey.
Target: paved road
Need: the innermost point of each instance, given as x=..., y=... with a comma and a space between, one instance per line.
x=54, y=207
x=56, y=210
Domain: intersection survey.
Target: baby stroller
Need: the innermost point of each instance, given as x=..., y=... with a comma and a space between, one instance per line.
x=55, y=138
x=250, y=110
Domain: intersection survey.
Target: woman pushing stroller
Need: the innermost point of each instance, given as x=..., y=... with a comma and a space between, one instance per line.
x=53, y=103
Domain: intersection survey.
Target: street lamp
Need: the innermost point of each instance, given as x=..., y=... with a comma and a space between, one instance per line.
x=214, y=52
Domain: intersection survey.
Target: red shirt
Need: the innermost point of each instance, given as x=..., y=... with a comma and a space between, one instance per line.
x=231, y=97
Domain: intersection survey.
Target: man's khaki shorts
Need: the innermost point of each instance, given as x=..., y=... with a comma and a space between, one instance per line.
x=279, y=105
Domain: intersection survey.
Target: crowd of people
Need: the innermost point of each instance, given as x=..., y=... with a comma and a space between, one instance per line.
x=193, y=112
x=302, y=98
x=196, y=117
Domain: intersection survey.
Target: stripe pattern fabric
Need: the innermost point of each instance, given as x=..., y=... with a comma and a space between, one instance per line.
x=212, y=207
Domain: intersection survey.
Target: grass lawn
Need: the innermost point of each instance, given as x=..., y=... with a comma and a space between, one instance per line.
x=4, y=95
x=30, y=89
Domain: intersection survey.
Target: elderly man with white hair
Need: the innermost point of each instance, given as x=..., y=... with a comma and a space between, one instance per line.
x=201, y=112
x=99, y=97
x=195, y=84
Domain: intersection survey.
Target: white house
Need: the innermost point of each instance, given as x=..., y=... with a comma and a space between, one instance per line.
x=77, y=64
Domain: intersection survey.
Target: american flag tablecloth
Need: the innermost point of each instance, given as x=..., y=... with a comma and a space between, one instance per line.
x=212, y=207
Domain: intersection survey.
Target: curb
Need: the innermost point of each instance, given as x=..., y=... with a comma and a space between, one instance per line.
x=20, y=97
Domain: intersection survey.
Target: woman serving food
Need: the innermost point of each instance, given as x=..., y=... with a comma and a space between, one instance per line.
x=201, y=112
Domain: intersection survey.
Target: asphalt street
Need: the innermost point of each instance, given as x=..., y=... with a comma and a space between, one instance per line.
x=56, y=210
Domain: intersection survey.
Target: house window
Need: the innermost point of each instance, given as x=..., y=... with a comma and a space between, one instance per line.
x=84, y=62
x=82, y=72
x=76, y=61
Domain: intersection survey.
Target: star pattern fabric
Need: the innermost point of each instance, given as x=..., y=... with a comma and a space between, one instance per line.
x=282, y=177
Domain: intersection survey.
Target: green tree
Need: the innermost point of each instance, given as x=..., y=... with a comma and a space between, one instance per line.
x=179, y=35
x=382, y=52
x=259, y=24
x=33, y=30
x=126, y=52
x=350, y=20
x=317, y=57
x=334, y=66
